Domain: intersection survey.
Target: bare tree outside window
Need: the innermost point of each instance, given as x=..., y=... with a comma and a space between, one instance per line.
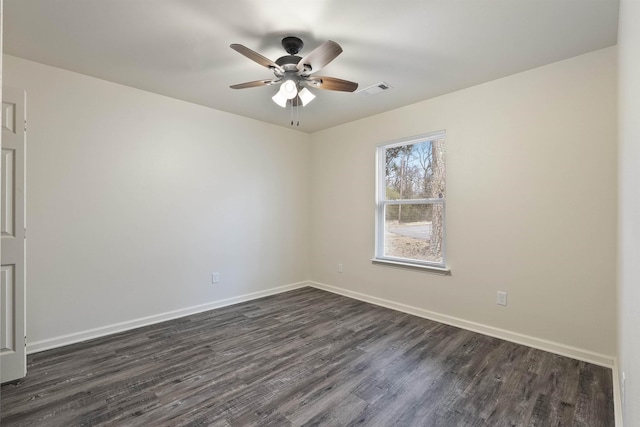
x=412, y=201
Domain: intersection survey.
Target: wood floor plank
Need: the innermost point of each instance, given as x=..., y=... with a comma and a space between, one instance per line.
x=305, y=357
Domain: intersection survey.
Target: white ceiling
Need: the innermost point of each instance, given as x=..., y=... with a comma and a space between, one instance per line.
x=422, y=48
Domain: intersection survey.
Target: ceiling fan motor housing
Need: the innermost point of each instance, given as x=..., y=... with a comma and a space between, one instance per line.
x=289, y=62
x=292, y=45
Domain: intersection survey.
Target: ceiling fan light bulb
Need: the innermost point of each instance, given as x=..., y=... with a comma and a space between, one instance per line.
x=306, y=96
x=289, y=89
x=280, y=99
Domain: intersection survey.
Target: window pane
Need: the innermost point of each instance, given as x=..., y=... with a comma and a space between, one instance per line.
x=414, y=232
x=415, y=171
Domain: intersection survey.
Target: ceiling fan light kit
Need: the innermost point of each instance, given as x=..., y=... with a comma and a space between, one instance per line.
x=280, y=99
x=289, y=89
x=306, y=96
x=294, y=73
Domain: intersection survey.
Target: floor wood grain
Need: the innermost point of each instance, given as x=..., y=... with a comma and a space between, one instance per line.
x=305, y=357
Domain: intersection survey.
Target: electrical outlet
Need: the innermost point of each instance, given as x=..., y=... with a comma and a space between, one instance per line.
x=215, y=277
x=339, y=268
x=502, y=298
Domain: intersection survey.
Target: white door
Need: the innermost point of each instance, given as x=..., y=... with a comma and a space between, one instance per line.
x=13, y=360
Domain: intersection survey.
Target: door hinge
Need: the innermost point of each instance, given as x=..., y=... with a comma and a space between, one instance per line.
x=25, y=125
x=25, y=341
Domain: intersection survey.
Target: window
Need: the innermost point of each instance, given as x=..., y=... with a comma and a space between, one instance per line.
x=410, y=201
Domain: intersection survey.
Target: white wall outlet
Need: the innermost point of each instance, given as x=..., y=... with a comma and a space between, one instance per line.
x=339, y=268
x=215, y=277
x=502, y=298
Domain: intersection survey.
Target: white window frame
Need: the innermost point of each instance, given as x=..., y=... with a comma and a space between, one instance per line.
x=382, y=202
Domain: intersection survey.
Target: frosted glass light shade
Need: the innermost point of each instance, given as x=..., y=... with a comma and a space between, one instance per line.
x=306, y=96
x=289, y=89
x=280, y=99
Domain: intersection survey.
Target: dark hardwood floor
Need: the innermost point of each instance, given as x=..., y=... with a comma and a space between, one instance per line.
x=305, y=357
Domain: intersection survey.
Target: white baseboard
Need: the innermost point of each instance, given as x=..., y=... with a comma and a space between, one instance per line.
x=37, y=346
x=541, y=344
x=553, y=347
x=550, y=346
x=617, y=394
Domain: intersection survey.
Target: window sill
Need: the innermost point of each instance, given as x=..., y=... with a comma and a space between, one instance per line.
x=443, y=271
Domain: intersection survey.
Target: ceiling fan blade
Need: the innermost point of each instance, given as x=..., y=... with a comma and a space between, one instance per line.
x=319, y=57
x=332, y=83
x=255, y=83
x=255, y=56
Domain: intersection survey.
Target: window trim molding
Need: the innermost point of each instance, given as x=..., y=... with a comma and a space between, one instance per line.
x=381, y=201
x=442, y=271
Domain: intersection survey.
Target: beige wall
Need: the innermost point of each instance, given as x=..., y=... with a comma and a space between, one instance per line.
x=134, y=199
x=531, y=209
x=629, y=231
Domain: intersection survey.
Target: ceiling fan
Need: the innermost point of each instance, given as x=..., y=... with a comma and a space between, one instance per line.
x=294, y=74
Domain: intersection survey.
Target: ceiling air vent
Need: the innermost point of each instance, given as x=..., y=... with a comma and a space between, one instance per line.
x=375, y=89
